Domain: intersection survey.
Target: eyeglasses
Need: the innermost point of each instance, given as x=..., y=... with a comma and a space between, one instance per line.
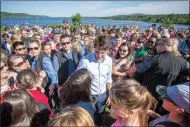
x=21, y=63
x=65, y=43
x=35, y=48
x=151, y=42
x=20, y=49
x=122, y=50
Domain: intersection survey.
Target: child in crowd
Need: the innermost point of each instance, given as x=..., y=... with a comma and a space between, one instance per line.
x=27, y=79
x=130, y=104
x=72, y=117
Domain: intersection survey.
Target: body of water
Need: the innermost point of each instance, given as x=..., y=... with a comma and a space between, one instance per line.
x=97, y=21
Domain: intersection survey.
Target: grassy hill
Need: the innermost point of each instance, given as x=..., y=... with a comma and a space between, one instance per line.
x=174, y=18
x=19, y=15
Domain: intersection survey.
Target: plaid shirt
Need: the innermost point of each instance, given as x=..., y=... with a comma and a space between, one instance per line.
x=184, y=47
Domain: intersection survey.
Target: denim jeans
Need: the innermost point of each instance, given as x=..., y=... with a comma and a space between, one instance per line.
x=100, y=104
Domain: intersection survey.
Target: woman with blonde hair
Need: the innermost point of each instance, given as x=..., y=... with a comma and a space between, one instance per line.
x=5, y=80
x=130, y=104
x=71, y=117
x=76, y=46
x=15, y=38
x=17, y=32
x=175, y=46
x=4, y=55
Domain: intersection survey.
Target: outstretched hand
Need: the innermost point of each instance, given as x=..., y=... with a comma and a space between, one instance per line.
x=42, y=74
x=153, y=114
x=131, y=70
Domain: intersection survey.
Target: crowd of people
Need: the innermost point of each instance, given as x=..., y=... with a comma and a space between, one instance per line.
x=54, y=76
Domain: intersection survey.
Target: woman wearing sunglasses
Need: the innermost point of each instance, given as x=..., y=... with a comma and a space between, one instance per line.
x=36, y=54
x=19, y=48
x=34, y=49
x=122, y=62
x=17, y=63
x=4, y=76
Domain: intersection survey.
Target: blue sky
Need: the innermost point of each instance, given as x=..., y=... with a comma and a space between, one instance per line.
x=94, y=8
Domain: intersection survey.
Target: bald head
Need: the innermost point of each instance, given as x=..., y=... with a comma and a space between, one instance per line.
x=166, y=41
x=165, y=44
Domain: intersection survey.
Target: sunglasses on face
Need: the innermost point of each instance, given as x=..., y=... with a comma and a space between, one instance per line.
x=21, y=63
x=65, y=43
x=35, y=48
x=151, y=43
x=20, y=49
x=122, y=50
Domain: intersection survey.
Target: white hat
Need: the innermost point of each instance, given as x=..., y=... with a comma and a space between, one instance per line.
x=166, y=34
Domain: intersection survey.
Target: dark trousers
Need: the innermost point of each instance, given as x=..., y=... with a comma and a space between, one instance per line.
x=100, y=104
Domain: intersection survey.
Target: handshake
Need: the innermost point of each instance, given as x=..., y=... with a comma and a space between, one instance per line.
x=131, y=71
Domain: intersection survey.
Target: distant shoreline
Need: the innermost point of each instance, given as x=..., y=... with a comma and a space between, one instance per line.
x=182, y=19
x=89, y=17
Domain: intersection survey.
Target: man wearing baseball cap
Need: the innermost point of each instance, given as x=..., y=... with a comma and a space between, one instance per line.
x=176, y=102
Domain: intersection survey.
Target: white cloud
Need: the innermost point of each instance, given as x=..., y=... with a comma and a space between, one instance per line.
x=100, y=8
x=96, y=8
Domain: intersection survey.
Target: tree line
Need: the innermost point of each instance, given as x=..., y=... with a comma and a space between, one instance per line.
x=162, y=18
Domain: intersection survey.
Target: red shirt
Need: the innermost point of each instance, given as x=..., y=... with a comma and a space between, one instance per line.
x=40, y=97
x=50, y=35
